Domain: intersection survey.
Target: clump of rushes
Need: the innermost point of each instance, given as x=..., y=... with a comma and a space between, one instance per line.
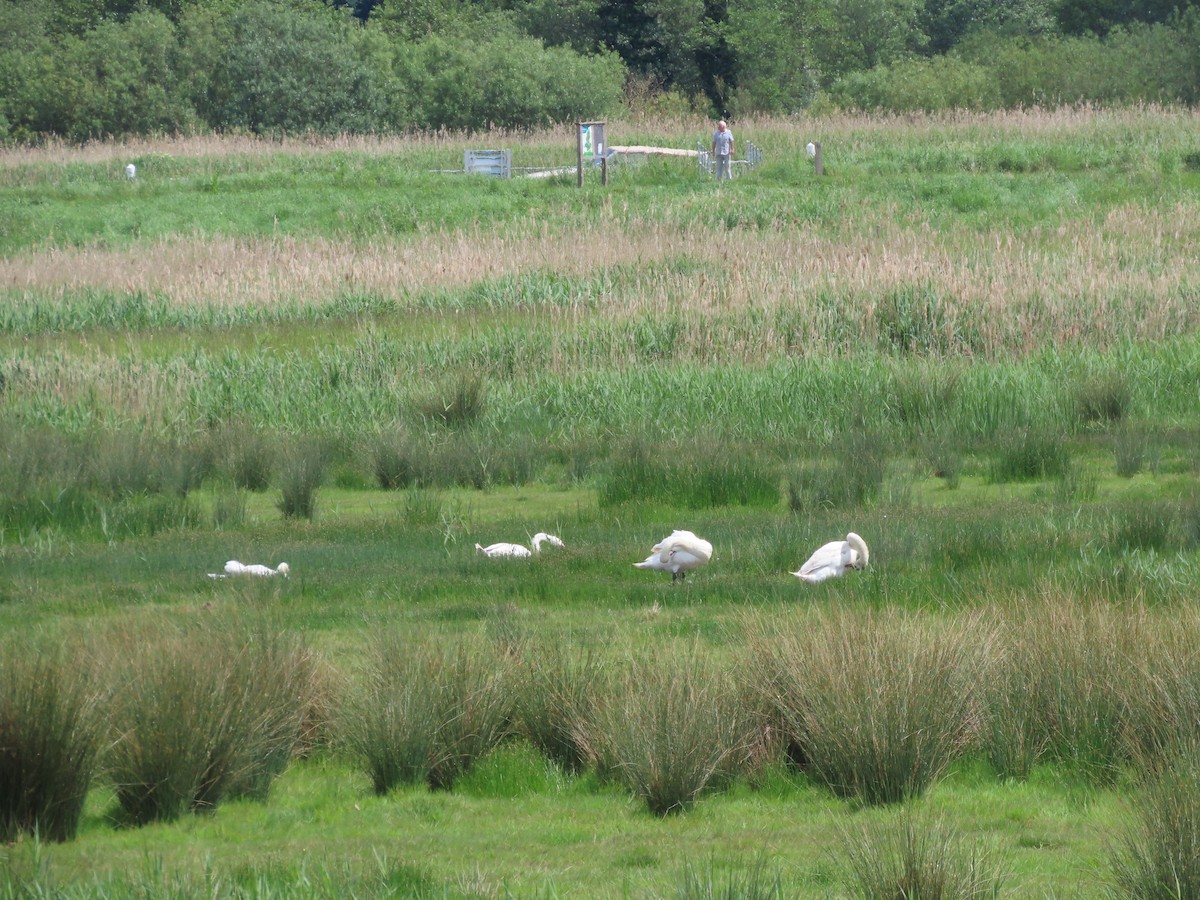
x=427, y=712
x=394, y=460
x=554, y=700
x=906, y=855
x=670, y=727
x=459, y=402
x=731, y=881
x=302, y=472
x=201, y=711
x=250, y=454
x=1013, y=731
x=1072, y=659
x=51, y=732
x=1103, y=398
x=1156, y=852
x=1028, y=454
x=875, y=705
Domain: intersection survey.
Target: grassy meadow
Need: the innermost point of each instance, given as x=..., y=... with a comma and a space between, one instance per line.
x=975, y=341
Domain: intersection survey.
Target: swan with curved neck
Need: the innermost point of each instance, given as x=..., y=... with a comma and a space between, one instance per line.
x=519, y=551
x=677, y=553
x=835, y=559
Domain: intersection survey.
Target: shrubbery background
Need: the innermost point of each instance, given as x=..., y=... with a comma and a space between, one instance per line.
x=89, y=69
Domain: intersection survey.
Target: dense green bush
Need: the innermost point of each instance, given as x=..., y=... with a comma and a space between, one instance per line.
x=294, y=72
x=1137, y=63
x=505, y=80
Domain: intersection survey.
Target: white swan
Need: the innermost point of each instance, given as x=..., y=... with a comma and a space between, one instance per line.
x=233, y=567
x=834, y=559
x=519, y=550
x=678, y=553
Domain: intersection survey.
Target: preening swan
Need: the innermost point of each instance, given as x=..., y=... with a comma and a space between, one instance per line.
x=678, y=553
x=834, y=559
x=519, y=550
x=233, y=567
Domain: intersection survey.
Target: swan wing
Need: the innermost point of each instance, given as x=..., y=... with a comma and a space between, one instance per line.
x=504, y=549
x=828, y=561
x=654, y=563
x=683, y=544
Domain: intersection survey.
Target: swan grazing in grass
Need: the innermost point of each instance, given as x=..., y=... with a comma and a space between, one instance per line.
x=678, y=553
x=834, y=559
x=233, y=567
x=519, y=550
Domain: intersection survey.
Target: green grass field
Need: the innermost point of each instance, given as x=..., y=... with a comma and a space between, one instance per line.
x=975, y=341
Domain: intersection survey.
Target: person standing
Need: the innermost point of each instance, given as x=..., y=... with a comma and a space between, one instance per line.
x=722, y=149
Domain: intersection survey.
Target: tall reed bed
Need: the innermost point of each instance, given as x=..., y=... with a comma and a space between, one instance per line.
x=373, y=380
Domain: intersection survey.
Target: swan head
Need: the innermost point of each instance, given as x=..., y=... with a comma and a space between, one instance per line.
x=860, y=547
x=548, y=538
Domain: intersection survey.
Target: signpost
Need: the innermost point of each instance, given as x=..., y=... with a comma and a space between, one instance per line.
x=590, y=145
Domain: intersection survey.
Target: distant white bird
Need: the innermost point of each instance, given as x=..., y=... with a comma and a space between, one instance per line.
x=131, y=171
x=835, y=559
x=678, y=553
x=519, y=550
x=811, y=149
x=233, y=567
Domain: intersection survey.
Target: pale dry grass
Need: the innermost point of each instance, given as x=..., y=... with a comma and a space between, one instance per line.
x=1131, y=276
x=218, y=146
x=677, y=130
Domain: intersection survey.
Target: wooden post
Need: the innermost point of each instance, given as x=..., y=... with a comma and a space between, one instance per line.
x=604, y=170
x=818, y=163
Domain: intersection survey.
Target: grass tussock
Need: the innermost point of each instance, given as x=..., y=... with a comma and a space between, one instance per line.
x=693, y=475
x=1103, y=399
x=201, y=712
x=555, y=699
x=1027, y=455
x=715, y=880
x=52, y=729
x=459, y=402
x=912, y=856
x=427, y=713
x=877, y=706
x=302, y=472
x=669, y=727
x=1155, y=854
x=853, y=477
x=1062, y=690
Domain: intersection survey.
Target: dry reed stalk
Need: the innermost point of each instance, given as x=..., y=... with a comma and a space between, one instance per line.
x=1133, y=272
x=838, y=126
x=217, y=146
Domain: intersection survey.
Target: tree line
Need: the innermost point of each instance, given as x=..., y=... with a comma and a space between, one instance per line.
x=82, y=69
